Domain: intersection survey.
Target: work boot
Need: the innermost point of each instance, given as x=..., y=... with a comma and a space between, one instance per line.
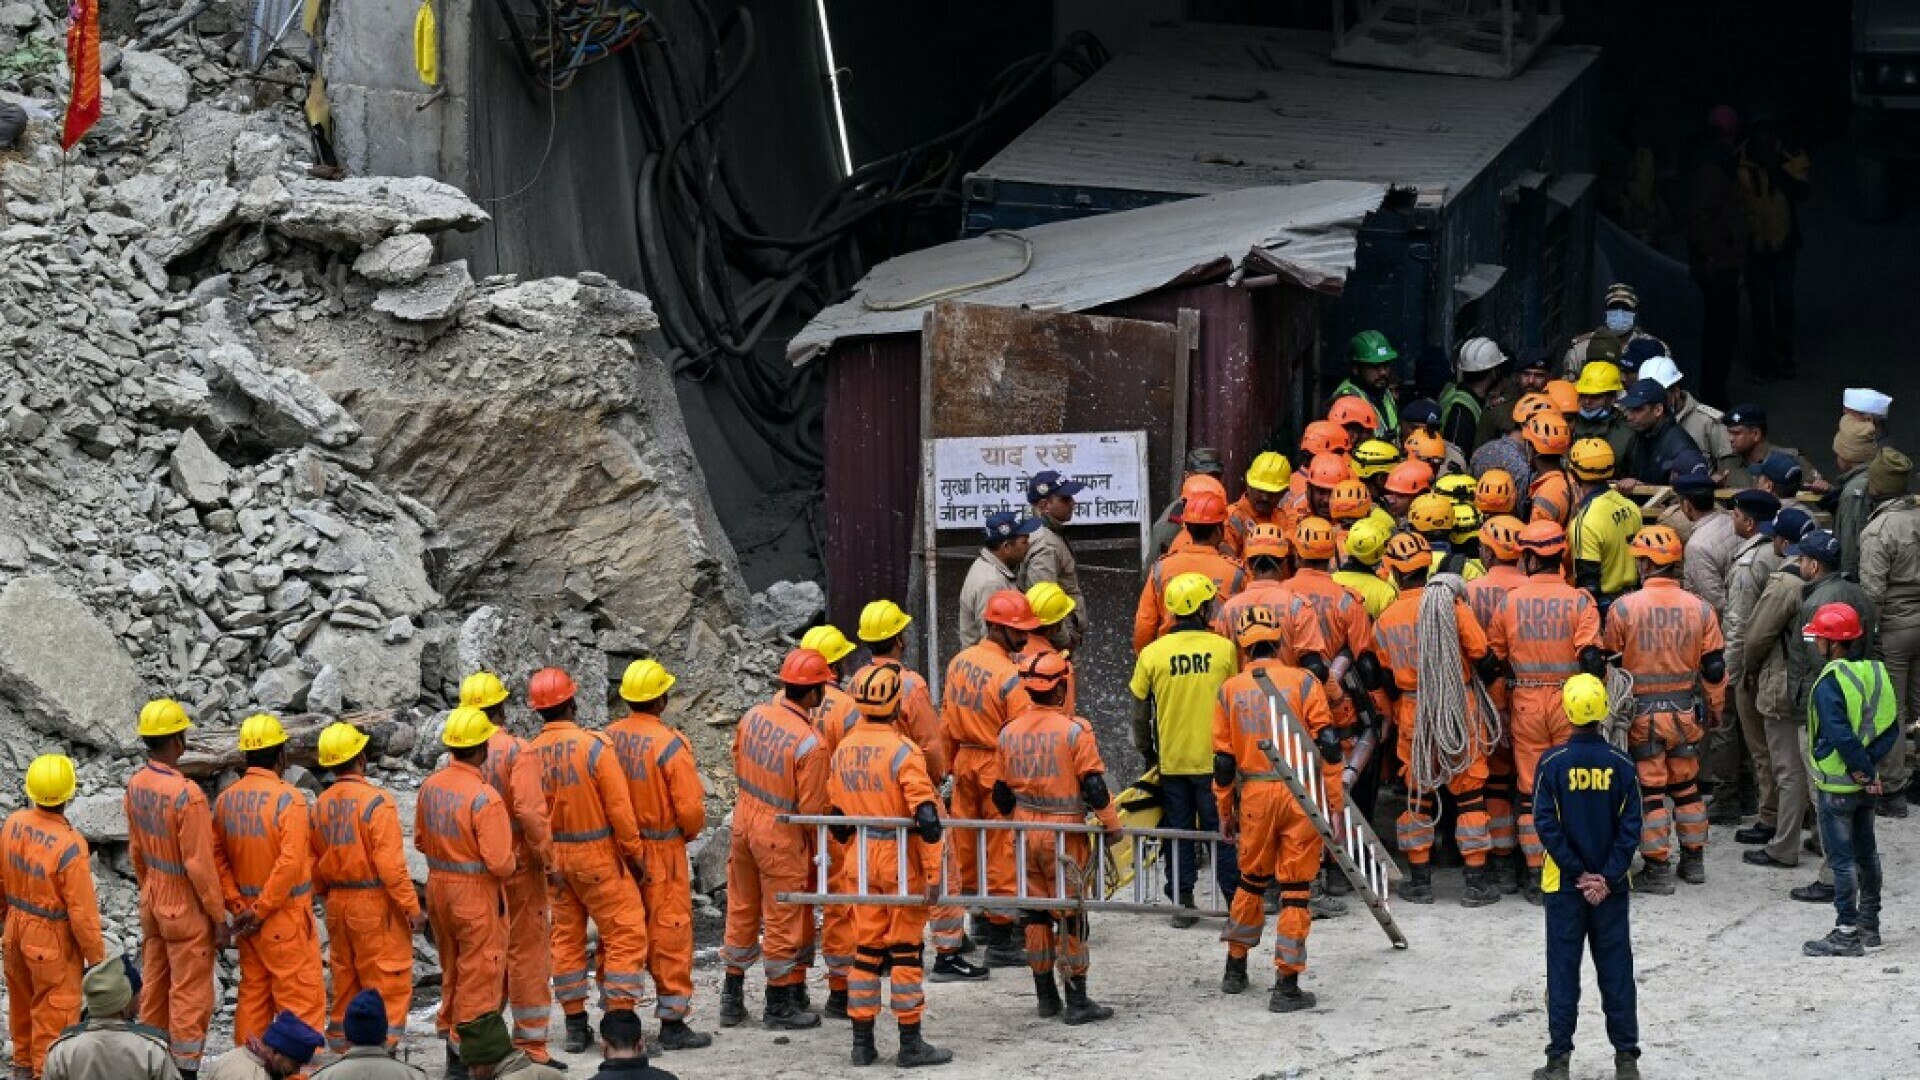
x=1481, y=891
x=1047, y=992
x=916, y=1051
x=1530, y=887
x=1869, y=935
x=1001, y=950
x=1235, y=979
x=800, y=999
x=1818, y=892
x=1693, y=866
x=1288, y=997
x=1755, y=834
x=1186, y=916
x=952, y=967
x=1654, y=879
x=1626, y=1065
x=783, y=1012
x=1891, y=806
x=1418, y=888
x=1554, y=1069
x=733, y=1000
x=836, y=1006
x=1322, y=906
x=1082, y=1009
x=1838, y=942
x=456, y=1069
x=1508, y=871
x=864, y=1053
x=579, y=1033
x=676, y=1035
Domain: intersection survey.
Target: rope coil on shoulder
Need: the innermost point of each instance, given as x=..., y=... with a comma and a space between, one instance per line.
x=1619, y=706
x=1455, y=722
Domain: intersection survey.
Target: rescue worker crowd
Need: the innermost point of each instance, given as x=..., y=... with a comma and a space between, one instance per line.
x=1437, y=591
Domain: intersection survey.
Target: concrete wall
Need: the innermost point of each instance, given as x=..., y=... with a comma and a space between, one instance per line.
x=385, y=120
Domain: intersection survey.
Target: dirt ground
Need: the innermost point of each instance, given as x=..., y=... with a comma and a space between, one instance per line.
x=1724, y=992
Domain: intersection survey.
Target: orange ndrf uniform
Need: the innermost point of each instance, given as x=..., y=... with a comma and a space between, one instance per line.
x=1340, y=624
x=1664, y=635
x=781, y=767
x=1242, y=517
x=460, y=825
x=182, y=906
x=1540, y=631
x=1396, y=639
x=1038, y=645
x=836, y=718
x=982, y=693
x=263, y=827
x=876, y=772
x=919, y=723
x=1151, y=619
x=669, y=806
x=52, y=932
x=1550, y=497
x=514, y=773
x=1276, y=839
x=1487, y=595
x=360, y=872
x=1301, y=631
x=1045, y=760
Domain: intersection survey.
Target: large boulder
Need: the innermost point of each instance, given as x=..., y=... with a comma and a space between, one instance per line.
x=373, y=674
x=359, y=212
x=62, y=670
x=513, y=645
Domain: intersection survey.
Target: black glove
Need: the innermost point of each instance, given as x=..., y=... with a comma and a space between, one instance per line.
x=842, y=833
x=1002, y=797
x=928, y=821
x=1329, y=743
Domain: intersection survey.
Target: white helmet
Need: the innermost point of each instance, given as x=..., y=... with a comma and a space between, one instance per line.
x=1480, y=354
x=1661, y=369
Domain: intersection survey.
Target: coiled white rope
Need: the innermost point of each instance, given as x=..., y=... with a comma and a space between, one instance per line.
x=1619, y=706
x=1455, y=723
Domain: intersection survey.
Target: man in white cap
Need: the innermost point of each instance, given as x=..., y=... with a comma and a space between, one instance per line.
x=1869, y=405
x=1476, y=374
x=1702, y=421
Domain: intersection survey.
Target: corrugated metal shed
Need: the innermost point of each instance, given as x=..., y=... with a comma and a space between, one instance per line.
x=1201, y=109
x=1304, y=233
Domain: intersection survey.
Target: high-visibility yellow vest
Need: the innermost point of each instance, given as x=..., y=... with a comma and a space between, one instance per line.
x=1871, y=708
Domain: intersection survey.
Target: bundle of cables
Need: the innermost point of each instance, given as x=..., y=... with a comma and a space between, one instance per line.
x=560, y=38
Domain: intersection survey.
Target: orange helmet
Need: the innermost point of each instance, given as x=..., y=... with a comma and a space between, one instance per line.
x=1325, y=437
x=1426, y=445
x=1264, y=540
x=1500, y=537
x=1196, y=484
x=1544, y=538
x=549, y=687
x=1562, y=396
x=1410, y=478
x=1658, y=543
x=1494, y=493
x=1314, y=538
x=1205, y=508
x=1591, y=459
x=1431, y=513
x=1409, y=553
x=804, y=667
x=1355, y=410
x=876, y=690
x=1547, y=432
x=1351, y=501
x=1009, y=607
x=1528, y=405
x=1254, y=624
x=1327, y=470
x=1043, y=671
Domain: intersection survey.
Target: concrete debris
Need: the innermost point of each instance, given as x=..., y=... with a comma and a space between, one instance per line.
x=787, y=607
x=359, y=212
x=156, y=80
x=435, y=297
x=102, y=819
x=396, y=260
x=61, y=670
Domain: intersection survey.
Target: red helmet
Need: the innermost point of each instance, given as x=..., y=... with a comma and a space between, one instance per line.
x=1835, y=622
x=550, y=687
x=1410, y=478
x=1205, y=508
x=1010, y=607
x=1325, y=437
x=804, y=667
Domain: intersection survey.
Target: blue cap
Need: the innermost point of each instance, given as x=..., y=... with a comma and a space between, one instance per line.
x=1004, y=525
x=1422, y=411
x=291, y=1037
x=1641, y=394
x=1048, y=482
x=1781, y=468
x=1758, y=505
x=1690, y=473
x=1818, y=544
x=1746, y=416
x=366, y=1020
x=1790, y=524
x=1639, y=351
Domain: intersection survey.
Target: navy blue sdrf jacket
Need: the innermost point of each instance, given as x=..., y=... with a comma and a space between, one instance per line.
x=1586, y=809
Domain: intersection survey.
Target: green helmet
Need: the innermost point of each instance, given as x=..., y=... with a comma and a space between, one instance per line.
x=1371, y=347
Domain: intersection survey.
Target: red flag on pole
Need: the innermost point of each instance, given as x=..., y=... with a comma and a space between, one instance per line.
x=83, y=61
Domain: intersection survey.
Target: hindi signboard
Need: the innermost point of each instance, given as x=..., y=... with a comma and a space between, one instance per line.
x=975, y=477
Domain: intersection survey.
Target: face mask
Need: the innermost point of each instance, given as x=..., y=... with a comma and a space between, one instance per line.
x=1619, y=321
x=1595, y=414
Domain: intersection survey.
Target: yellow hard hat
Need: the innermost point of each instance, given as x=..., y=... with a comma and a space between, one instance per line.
x=1591, y=459
x=1457, y=486
x=1431, y=512
x=339, y=743
x=50, y=780
x=1188, y=593
x=881, y=620
x=482, y=690
x=163, y=716
x=467, y=727
x=829, y=642
x=1375, y=457
x=1366, y=540
x=1585, y=699
x=1466, y=522
x=1269, y=472
x=261, y=731
x=1599, y=377
x=645, y=680
x=1050, y=602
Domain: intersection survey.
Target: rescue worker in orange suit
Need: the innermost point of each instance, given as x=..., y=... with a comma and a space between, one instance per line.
x=1487, y=596
x=183, y=907
x=1262, y=503
x=1050, y=770
x=1274, y=837
x=1051, y=606
x=883, y=626
x=360, y=871
x=981, y=694
x=1325, y=473
x=263, y=826
x=1203, y=518
x=835, y=718
x=597, y=848
x=513, y=772
x=1544, y=633
x=52, y=915
x=1396, y=638
x=1269, y=566
x=1669, y=641
x=781, y=768
x=460, y=825
x=669, y=806
x=1550, y=494
x=878, y=772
